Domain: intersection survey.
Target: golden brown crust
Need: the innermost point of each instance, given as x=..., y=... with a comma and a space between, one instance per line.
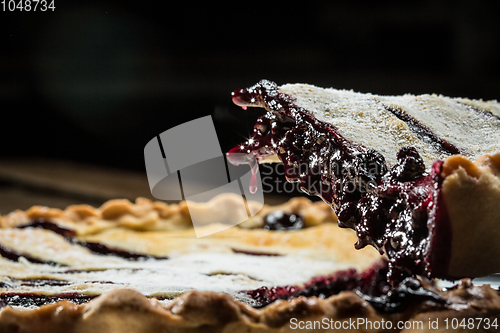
x=146, y=215
x=125, y=309
x=471, y=192
x=141, y=215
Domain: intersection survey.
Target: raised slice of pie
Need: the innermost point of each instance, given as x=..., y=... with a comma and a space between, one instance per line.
x=417, y=177
x=138, y=267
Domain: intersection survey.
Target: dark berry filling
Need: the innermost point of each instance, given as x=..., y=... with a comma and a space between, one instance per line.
x=35, y=300
x=393, y=208
x=423, y=132
x=409, y=292
x=69, y=234
x=32, y=299
x=482, y=112
x=283, y=221
x=14, y=255
x=40, y=282
x=100, y=248
x=256, y=253
x=371, y=285
x=372, y=282
x=44, y=224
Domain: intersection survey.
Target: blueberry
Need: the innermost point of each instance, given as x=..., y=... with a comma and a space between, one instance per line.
x=283, y=221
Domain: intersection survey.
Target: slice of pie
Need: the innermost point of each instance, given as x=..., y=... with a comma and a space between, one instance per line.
x=417, y=177
x=138, y=267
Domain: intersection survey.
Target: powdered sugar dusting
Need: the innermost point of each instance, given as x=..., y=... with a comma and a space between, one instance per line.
x=475, y=133
x=364, y=119
x=91, y=274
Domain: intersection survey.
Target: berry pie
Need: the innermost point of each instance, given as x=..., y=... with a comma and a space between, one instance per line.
x=417, y=177
x=139, y=267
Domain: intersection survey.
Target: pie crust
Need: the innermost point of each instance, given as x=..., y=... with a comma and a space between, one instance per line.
x=127, y=310
x=146, y=215
x=116, y=308
x=471, y=191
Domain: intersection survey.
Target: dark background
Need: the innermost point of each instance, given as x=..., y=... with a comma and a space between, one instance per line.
x=94, y=81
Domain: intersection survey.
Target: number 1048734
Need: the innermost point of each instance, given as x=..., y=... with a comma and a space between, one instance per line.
x=472, y=323
x=27, y=5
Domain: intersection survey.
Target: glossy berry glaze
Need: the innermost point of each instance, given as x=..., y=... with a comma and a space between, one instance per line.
x=279, y=220
x=371, y=282
x=27, y=300
x=394, y=209
x=371, y=285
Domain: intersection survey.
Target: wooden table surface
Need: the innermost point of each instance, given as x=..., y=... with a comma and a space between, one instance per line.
x=55, y=183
